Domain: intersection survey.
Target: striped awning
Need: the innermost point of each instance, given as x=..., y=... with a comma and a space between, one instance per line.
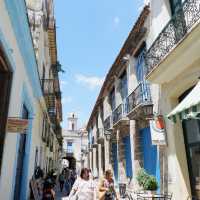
x=189, y=108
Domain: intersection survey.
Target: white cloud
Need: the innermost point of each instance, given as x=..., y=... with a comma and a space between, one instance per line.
x=116, y=21
x=91, y=82
x=66, y=100
x=62, y=82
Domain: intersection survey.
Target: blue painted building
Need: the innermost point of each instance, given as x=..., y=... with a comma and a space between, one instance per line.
x=22, y=96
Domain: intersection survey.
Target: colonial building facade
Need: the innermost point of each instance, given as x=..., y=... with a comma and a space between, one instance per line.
x=157, y=67
x=75, y=143
x=29, y=90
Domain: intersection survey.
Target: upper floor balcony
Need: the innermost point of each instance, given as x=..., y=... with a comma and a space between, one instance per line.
x=119, y=114
x=139, y=102
x=48, y=87
x=177, y=46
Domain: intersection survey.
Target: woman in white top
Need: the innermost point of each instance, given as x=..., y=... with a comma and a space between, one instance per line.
x=83, y=188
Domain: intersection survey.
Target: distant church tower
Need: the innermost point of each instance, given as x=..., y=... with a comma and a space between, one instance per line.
x=72, y=122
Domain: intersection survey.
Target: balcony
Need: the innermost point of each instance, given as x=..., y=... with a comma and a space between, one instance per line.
x=168, y=55
x=100, y=134
x=48, y=88
x=140, y=103
x=119, y=114
x=108, y=123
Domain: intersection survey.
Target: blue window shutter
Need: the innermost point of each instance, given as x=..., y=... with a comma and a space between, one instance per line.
x=140, y=65
x=150, y=154
x=127, y=147
x=115, y=159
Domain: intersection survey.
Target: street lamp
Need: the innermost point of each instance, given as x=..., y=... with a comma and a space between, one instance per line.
x=107, y=134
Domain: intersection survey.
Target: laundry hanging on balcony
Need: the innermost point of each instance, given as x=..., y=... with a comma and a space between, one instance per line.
x=189, y=108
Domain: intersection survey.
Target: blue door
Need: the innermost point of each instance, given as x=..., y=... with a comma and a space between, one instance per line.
x=115, y=160
x=127, y=148
x=150, y=154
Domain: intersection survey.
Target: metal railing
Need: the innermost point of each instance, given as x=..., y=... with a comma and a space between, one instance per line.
x=48, y=86
x=178, y=26
x=141, y=95
x=120, y=111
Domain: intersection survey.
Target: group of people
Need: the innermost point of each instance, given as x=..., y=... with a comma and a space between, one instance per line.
x=86, y=188
x=67, y=179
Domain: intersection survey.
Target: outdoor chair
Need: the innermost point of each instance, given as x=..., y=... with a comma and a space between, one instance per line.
x=122, y=190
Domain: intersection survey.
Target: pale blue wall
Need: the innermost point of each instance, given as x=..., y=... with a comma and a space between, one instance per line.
x=25, y=100
x=18, y=16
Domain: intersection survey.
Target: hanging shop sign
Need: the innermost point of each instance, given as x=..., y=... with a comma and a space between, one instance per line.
x=158, y=133
x=17, y=125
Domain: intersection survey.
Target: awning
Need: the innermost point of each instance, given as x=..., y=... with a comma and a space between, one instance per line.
x=189, y=107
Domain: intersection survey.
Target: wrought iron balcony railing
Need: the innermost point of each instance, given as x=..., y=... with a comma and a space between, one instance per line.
x=108, y=123
x=178, y=26
x=48, y=86
x=120, y=111
x=141, y=95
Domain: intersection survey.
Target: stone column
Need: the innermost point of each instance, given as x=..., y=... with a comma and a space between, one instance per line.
x=117, y=138
x=132, y=143
x=135, y=150
x=100, y=160
x=107, y=154
x=90, y=159
x=94, y=161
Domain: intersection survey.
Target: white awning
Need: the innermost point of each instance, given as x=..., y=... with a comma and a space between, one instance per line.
x=189, y=107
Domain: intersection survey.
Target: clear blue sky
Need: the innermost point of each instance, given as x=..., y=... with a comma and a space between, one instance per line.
x=90, y=34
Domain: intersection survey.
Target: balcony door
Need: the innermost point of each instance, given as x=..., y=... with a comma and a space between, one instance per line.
x=21, y=168
x=5, y=83
x=175, y=5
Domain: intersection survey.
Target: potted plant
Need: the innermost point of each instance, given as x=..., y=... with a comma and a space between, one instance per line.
x=146, y=181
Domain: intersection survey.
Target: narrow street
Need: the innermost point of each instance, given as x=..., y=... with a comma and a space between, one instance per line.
x=102, y=96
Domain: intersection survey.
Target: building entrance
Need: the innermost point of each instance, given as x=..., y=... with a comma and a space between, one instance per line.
x=20, y=170
x=5, y=83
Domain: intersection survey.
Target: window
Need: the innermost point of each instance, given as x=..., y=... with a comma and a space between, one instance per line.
x=123, y=85
x=192, y=141
x=112, y=99
x=175, y=5
x=72, y=126
x=69, y=147
x=140, y=64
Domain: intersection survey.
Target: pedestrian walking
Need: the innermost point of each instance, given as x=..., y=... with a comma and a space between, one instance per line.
x=48, y=192
x=83, y=188
x=61, y=180
x=106, y=187
x=68, y=181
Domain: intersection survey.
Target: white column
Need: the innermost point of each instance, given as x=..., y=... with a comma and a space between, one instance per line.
x=94, y=161
x=132, y=133
x=90, y=159
x=117, y=137
x=100, y=160
x=107, y=154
